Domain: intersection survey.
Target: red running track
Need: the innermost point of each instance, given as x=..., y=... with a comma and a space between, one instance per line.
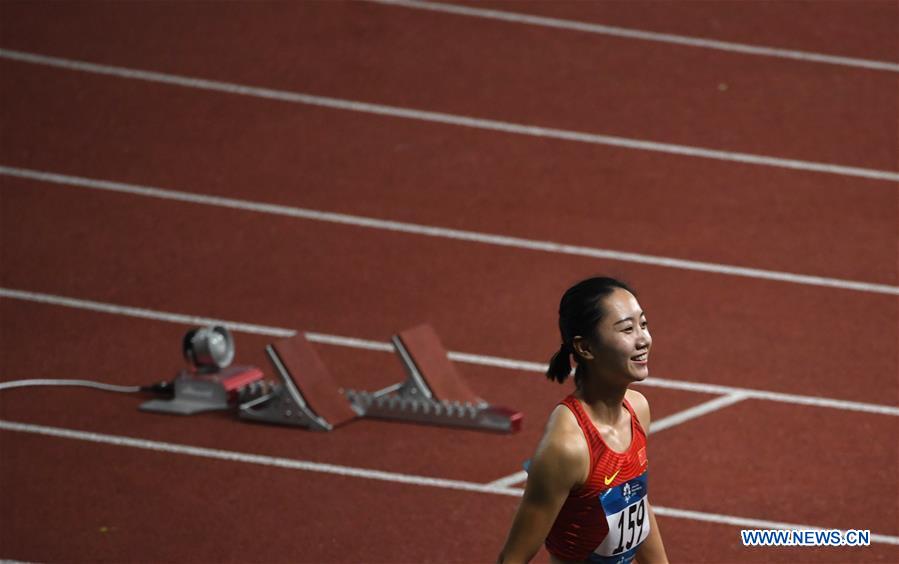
x=355, y=163
x=71, y=500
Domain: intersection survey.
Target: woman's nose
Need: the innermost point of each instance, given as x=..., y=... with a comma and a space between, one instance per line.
x=644, y=339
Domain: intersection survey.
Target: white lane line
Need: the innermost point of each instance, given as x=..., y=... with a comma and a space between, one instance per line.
x=365, y=473
x=248, y=458
x=630, y=33
x=510, y=480
x=350, y=342
x=184, y=319
x=469, y=358
x=155, y=315
x=446, y=119
x=659, y=425
x=696, y=411
x=445, y=232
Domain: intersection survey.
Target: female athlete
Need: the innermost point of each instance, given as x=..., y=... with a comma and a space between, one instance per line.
x=586, y=494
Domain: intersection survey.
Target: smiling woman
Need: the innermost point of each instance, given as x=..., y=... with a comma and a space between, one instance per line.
x=586, y=497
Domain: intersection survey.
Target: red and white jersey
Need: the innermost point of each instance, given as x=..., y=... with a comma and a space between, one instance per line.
x=607, y=518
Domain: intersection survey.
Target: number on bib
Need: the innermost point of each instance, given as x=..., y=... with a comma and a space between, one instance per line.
x=628, y=516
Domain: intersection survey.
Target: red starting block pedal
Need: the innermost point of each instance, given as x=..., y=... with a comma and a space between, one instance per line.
x=434, y=392
x=195, y=393
x=306, y=394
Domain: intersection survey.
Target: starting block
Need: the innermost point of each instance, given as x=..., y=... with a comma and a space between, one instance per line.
x=317, y=404
x=433, y=392
x=196, y=392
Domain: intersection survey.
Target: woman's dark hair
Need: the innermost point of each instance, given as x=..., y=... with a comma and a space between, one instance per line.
x=579, y=312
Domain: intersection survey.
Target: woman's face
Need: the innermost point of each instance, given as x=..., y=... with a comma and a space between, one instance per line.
x=622, y=343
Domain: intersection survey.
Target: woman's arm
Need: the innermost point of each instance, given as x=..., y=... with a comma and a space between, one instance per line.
x=652, y=550
x=562, y=462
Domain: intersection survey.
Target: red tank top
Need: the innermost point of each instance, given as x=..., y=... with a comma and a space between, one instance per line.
x=606, y=518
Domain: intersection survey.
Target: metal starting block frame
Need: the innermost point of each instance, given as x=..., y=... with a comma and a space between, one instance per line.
x=197, y=392
x=433, y=392
x=319, y=406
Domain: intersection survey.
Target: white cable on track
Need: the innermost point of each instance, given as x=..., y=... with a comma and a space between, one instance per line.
x=67, y=382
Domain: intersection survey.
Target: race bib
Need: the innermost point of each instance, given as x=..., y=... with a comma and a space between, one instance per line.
x=627, y=511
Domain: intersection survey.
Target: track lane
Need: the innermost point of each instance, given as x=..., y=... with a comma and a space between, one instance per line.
x=724, y=395
x=675, y=481
x=159, y=507
x=309, y=275
x=360, y=444
x=169, y=137
x=588, y=83
x=784, y=454
x=716, y=543
x=130, y=351
x=365, y=444
x=138, y=485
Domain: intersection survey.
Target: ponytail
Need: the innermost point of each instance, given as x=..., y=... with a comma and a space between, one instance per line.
x=560, y=364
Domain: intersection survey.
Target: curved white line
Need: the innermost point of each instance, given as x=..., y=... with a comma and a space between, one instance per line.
x=481, y=360
x=630, y=33
x=370, y=474
x=446, y=232
x=447, y=119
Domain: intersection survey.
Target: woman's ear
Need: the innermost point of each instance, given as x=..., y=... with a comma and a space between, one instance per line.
x=581, y=348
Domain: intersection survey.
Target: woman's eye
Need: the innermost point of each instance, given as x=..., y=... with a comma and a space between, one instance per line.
x=628, y=329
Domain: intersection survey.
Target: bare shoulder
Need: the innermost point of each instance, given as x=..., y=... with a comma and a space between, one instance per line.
x=563, y=453
x=641, y=407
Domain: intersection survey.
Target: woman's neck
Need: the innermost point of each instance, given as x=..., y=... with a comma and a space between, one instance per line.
x=604, y=400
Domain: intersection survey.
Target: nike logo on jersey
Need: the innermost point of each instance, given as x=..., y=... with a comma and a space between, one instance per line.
x=611, y=479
